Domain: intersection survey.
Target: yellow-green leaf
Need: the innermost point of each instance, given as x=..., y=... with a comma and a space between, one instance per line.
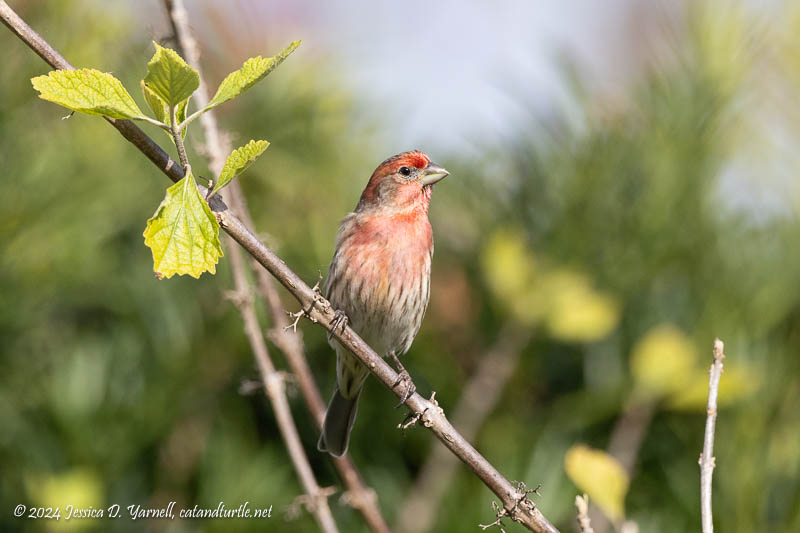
x=663, y=360
x=253, y=70
x=156, y=104
x=600, y=476
x=161, y=110
x=79, y=487
x=511, y=271
x=577, y=312
x=170, y=77
x=183, y=234
x=238, y=161
x=88, y=91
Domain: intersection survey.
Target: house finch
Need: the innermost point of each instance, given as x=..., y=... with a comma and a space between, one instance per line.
x=379, y=279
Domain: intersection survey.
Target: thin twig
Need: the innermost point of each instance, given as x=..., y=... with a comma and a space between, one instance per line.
x=276, y=393
x=478, y=400
x=582, y=504
x=707, y=461
x=518, y=506
x=359, y=496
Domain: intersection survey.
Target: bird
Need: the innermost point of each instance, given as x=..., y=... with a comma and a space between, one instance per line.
x=379, y=280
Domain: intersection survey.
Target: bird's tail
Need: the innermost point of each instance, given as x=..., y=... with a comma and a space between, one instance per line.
x=338, y=424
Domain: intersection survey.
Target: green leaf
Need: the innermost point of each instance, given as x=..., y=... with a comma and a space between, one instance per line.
x=183, y=234
x=170, y=77
x=88, y=91
x=253, y=71
x=238, y=161
x=156, y=104
x=161, y=110
x=180, y=114
x=600, y=476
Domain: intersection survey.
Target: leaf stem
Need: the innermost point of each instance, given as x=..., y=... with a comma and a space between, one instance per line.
x=191, y=117
x=175, y=130
x=153, y=121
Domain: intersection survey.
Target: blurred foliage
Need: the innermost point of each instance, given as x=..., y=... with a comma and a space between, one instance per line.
x=615, y=231
x=600, y=476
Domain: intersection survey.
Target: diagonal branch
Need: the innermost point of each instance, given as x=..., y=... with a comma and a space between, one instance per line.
x=477, y=401
x=515, y=502
x=217, y=145
x=706, y=461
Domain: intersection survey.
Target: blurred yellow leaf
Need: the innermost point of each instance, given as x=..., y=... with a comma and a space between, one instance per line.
x=737, y=382
x=509, y=268
x=577, y=312
x=75, y=489
x=600, y=476
x=663, y=361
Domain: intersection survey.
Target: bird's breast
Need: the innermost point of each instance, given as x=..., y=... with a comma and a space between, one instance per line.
x=380, y=277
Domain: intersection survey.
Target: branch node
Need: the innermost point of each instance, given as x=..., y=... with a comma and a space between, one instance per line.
x=520, y=500
x=359, y=499
x=582, y=504
x=238, y=298
x=413, y=417
x=249, y=386
x=325, y=306
x=309, y=502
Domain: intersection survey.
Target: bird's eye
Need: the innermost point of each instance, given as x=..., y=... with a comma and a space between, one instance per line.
x=405, y=171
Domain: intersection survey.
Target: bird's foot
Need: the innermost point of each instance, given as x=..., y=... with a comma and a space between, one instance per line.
x=339, y=322
x=403, y=379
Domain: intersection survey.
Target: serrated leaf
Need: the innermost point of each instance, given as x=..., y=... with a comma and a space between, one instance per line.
x=253, y=71
x=170, y=77
x=238, y=161
x=88, y=91
x=183, y=234
x=600, y=476
x=161, y=111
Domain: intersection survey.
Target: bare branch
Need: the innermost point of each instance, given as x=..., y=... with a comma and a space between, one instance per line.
x=707, y=461
x=582, y=504
x=478, y=400
x=516, y=504
x=276, y=393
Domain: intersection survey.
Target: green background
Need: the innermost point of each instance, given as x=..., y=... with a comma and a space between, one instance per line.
x=609, y=238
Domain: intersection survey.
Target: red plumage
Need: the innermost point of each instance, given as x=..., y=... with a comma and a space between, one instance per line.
x=380, y=276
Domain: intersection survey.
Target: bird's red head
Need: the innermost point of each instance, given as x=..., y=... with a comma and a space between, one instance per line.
x=402, y=182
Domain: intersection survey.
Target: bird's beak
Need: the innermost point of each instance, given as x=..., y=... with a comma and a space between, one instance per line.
x=432, y=173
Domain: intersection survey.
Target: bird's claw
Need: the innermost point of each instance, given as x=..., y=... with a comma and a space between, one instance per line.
x=409, y=387
x=339, y=321
x=403, y=377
